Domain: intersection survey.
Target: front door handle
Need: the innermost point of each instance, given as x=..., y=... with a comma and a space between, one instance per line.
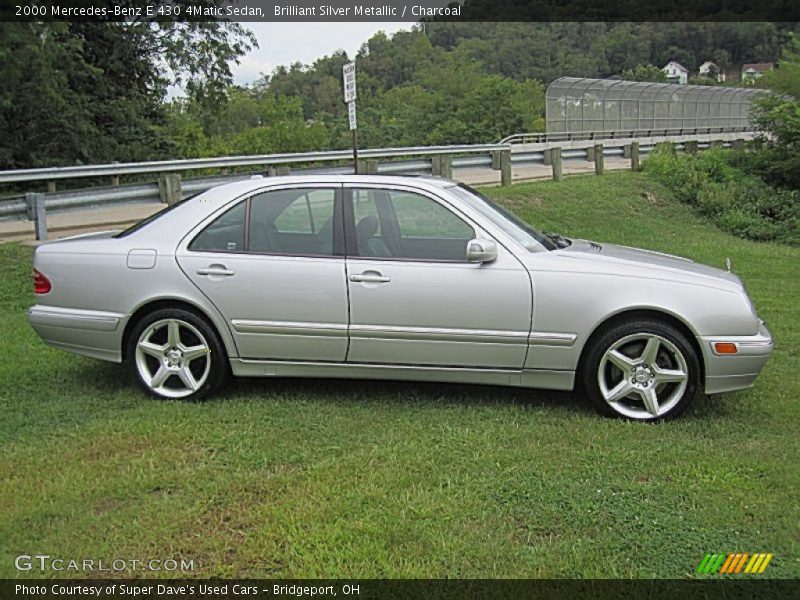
x=370, y=277
x=216, y=270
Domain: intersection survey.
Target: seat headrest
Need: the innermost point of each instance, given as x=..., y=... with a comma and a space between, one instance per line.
x=367, y=227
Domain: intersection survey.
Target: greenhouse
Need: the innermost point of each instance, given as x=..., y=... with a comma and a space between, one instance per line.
x=577, y=105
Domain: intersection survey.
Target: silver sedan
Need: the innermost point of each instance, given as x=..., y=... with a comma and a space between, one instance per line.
x=405, y=278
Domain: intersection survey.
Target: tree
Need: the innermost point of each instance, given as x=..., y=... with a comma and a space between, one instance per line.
x=84, y=92
x=777, y=115
x=645, y=73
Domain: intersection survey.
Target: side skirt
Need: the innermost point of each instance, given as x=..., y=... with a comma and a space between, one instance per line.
x=528, y=378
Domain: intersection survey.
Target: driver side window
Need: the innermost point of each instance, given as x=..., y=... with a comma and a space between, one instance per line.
x=405, y=225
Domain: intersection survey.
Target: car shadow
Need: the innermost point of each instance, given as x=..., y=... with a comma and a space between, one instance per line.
x=389, y=392
x=113, y=379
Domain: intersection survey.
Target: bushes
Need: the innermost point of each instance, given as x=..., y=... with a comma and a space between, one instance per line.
x=736, y=201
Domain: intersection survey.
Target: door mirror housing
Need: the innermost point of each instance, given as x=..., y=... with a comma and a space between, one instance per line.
x=481, y=250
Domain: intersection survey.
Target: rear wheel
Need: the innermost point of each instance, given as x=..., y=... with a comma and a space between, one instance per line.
x=175, y=354
x=643, y=370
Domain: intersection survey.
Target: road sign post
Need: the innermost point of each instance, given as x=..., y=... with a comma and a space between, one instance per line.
x=349, y=82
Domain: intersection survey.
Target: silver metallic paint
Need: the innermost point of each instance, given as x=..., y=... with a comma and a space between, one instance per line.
x=522, y=319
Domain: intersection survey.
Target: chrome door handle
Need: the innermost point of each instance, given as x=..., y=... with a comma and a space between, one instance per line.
x=216, y=270
x=370, y=277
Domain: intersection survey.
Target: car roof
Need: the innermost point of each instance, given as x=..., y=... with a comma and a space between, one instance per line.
x=257, y=181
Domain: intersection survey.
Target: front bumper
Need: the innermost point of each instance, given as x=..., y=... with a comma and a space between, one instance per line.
x=88, y=332
x=730, y=372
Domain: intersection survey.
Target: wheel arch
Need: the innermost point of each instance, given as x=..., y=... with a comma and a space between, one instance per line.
x=642, y=313
x=172, y=302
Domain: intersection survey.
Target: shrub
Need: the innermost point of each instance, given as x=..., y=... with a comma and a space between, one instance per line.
x=737, y=201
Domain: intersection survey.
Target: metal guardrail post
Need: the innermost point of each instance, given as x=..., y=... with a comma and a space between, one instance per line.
x=51, y=186
x=442, y=165
x=169, y=188
x=37, y=213
x=738, y=144
x=505, y=167
x=115, y=178
x=548, y=157
x=599, y=159
x=555, y=157
x=446, y=164
x=367, y=166
x=634, y=156
x=495, y=154
x=690, y=147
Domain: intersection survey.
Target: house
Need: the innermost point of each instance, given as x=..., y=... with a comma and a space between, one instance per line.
x=676, y=72
x=752, y=71
x=710, y=70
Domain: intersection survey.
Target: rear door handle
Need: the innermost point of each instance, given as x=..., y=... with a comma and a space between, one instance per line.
x=370, y=277
x=216, y=270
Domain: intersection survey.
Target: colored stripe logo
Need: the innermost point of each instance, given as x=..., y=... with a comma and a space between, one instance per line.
x=734, y=563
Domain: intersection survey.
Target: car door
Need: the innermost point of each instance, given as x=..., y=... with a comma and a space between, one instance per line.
x=273, y=264
x=414, y=298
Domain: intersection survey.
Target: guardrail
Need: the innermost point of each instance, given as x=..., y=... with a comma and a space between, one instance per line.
x=225, y=162
x=538, y=138
x=436, y=160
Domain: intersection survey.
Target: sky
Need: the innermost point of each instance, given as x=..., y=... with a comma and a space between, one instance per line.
x=285, y=43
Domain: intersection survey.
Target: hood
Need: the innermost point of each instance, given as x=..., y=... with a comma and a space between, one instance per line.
x=647, y=262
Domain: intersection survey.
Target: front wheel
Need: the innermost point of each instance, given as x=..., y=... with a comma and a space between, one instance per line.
x=173, y=353
x=642, y=370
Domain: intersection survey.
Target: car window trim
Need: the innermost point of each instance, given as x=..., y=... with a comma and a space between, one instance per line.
x=351, y=239
x=338, y=242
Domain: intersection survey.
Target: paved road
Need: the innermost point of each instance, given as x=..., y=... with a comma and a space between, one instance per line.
x=73, y=222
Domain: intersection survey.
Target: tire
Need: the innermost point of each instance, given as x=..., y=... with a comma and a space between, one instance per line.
x=188, y=366
x=641, y=370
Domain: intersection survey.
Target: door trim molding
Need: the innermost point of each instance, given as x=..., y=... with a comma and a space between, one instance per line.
x=547, y=338
x=289, y=328
x=438, y=334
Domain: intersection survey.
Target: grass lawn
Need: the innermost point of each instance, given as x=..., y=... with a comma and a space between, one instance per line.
x=326, y=478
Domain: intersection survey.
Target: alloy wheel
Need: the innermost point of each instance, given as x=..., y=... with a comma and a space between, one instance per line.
x=173, y=358
x=642, y=376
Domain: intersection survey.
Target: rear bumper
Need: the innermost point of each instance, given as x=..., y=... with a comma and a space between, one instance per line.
x=88, y=332
x=730, y=372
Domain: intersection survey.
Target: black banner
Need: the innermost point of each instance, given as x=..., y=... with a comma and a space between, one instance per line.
x=399, y=10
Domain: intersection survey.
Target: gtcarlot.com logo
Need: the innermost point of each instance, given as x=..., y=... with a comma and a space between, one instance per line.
x=734, y=563
x=45, y=562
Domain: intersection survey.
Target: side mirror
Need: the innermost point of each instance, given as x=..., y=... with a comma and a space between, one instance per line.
x=481, y=250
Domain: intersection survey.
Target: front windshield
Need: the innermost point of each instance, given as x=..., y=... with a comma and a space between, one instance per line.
x=511, y=224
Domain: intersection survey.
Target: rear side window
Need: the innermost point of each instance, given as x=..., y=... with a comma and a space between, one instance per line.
x=294, y=222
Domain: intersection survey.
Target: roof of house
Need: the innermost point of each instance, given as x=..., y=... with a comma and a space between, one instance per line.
x=708, y=63
x=758, y=67
x=677, y=65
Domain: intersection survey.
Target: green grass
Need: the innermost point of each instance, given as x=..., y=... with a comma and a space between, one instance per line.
x=326, y=478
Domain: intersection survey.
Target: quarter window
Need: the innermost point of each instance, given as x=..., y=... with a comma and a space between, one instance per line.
x=224, y=234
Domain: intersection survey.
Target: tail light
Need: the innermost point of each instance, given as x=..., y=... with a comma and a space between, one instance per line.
x=41, y=284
